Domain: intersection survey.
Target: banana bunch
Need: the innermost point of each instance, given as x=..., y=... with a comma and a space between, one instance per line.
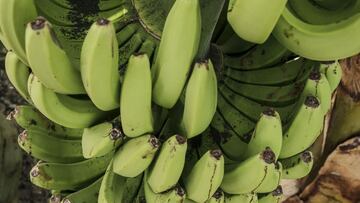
x=125, y=107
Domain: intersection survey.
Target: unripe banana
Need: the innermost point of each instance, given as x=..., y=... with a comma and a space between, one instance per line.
x=333, y=73
x=218, y=197
x=101, y=139
x=254, y=20
x=267, y=133
x=205, y=177
x=272, y=197
x=111, y=189
x=57, y=176
x=200, y=99
x=14, y=14
x=297, y=166
x=69, y=112
x=176, y=195
x=135, y=156
x=169, y=164
x=242, y=198
x=247, y=176
x=49, y=61
x=272, y=178
x=135, y=101
x=88, y=194
x=318, y=85
x=151, y=196
x=295, y=139
x=18, y=73
x=174, y=57
x=99, y=65
x=29, y=118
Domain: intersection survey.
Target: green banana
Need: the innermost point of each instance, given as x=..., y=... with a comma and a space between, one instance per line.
x=152, y=197
x=264, y=55
x=135, y=156
x=332, y=4
x=319, y=42
x=242, y=198
x=135, y=101
x=14, y=14
x=29, y=118
x=18, y=73
x=247, y=176
x=176, y=195
x=280, y=74
x=48, y=148
x=101, y=139
x=148, y=48
x=267, y=133
x=174, y=57
x=230, y=43
x=218, y=197
x=88, y=194
x=333, y=73
x=200, y=99
x=318, y=85
x=130, y=48
x=272, y=178
x=169, y=164
x=272, y=197
x=254, y=20
x=49, y=61
x=251, y=108
x=205, y=177
x=99, y=65
x=295, y=139
x=69, y=112
x=297, y=166
x=58, y=176
x=311, y=13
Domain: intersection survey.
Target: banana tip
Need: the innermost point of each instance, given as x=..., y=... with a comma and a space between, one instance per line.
x=38, y=23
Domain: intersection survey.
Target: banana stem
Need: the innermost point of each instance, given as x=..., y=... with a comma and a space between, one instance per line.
x=210, y=13
x=117, y=16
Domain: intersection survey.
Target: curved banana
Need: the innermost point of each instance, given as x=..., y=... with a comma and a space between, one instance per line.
x=112, y=187
x=176, y=195
x=135, y=156
x=272, y=178
x=276, y=75
x=272, y=197
x=218, y=197
x=18, y=73
x=48, y=148
x=318, y=85
x=319, y=42
x=205, y=177
x=58, y=176
x=267, y=134
x=88, y=194
x=247, y=176
x=243, y=198
x=174, y=57
x=101, y=139
x=254, y=20
x=49, y=61
x=230, y=43
x=263, y=55
x=151, y=196
x=311, y=13
x=297, y=166
x=99, y=65
x=200, y=99
x=14, y=14
x=333, y=73
x=29, y=118
x=69, y=112
x=169, y=164
x=295, y=139
x=148, y=48
x=135, y=101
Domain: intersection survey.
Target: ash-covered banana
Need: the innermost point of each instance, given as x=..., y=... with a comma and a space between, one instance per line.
x=135, y=101
x=174, y=57
x=205, y=177
x=297, y=166
x=99, y=63
x=200, y=99
x=296, y=139
x=169, y=164
x=48, y=60
x=135, y=156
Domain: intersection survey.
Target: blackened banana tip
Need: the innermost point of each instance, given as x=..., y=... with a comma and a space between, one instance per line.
x=154, y=142
x=180, y=191
x=315, y=75
x=180, y=139
x=269, y=112
x=306, y=157
x=312, y=101
x=278, y=191
x=218, y=194
x=38, y=24
x=268, y=155
x=102, y=21
x=216, y=153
